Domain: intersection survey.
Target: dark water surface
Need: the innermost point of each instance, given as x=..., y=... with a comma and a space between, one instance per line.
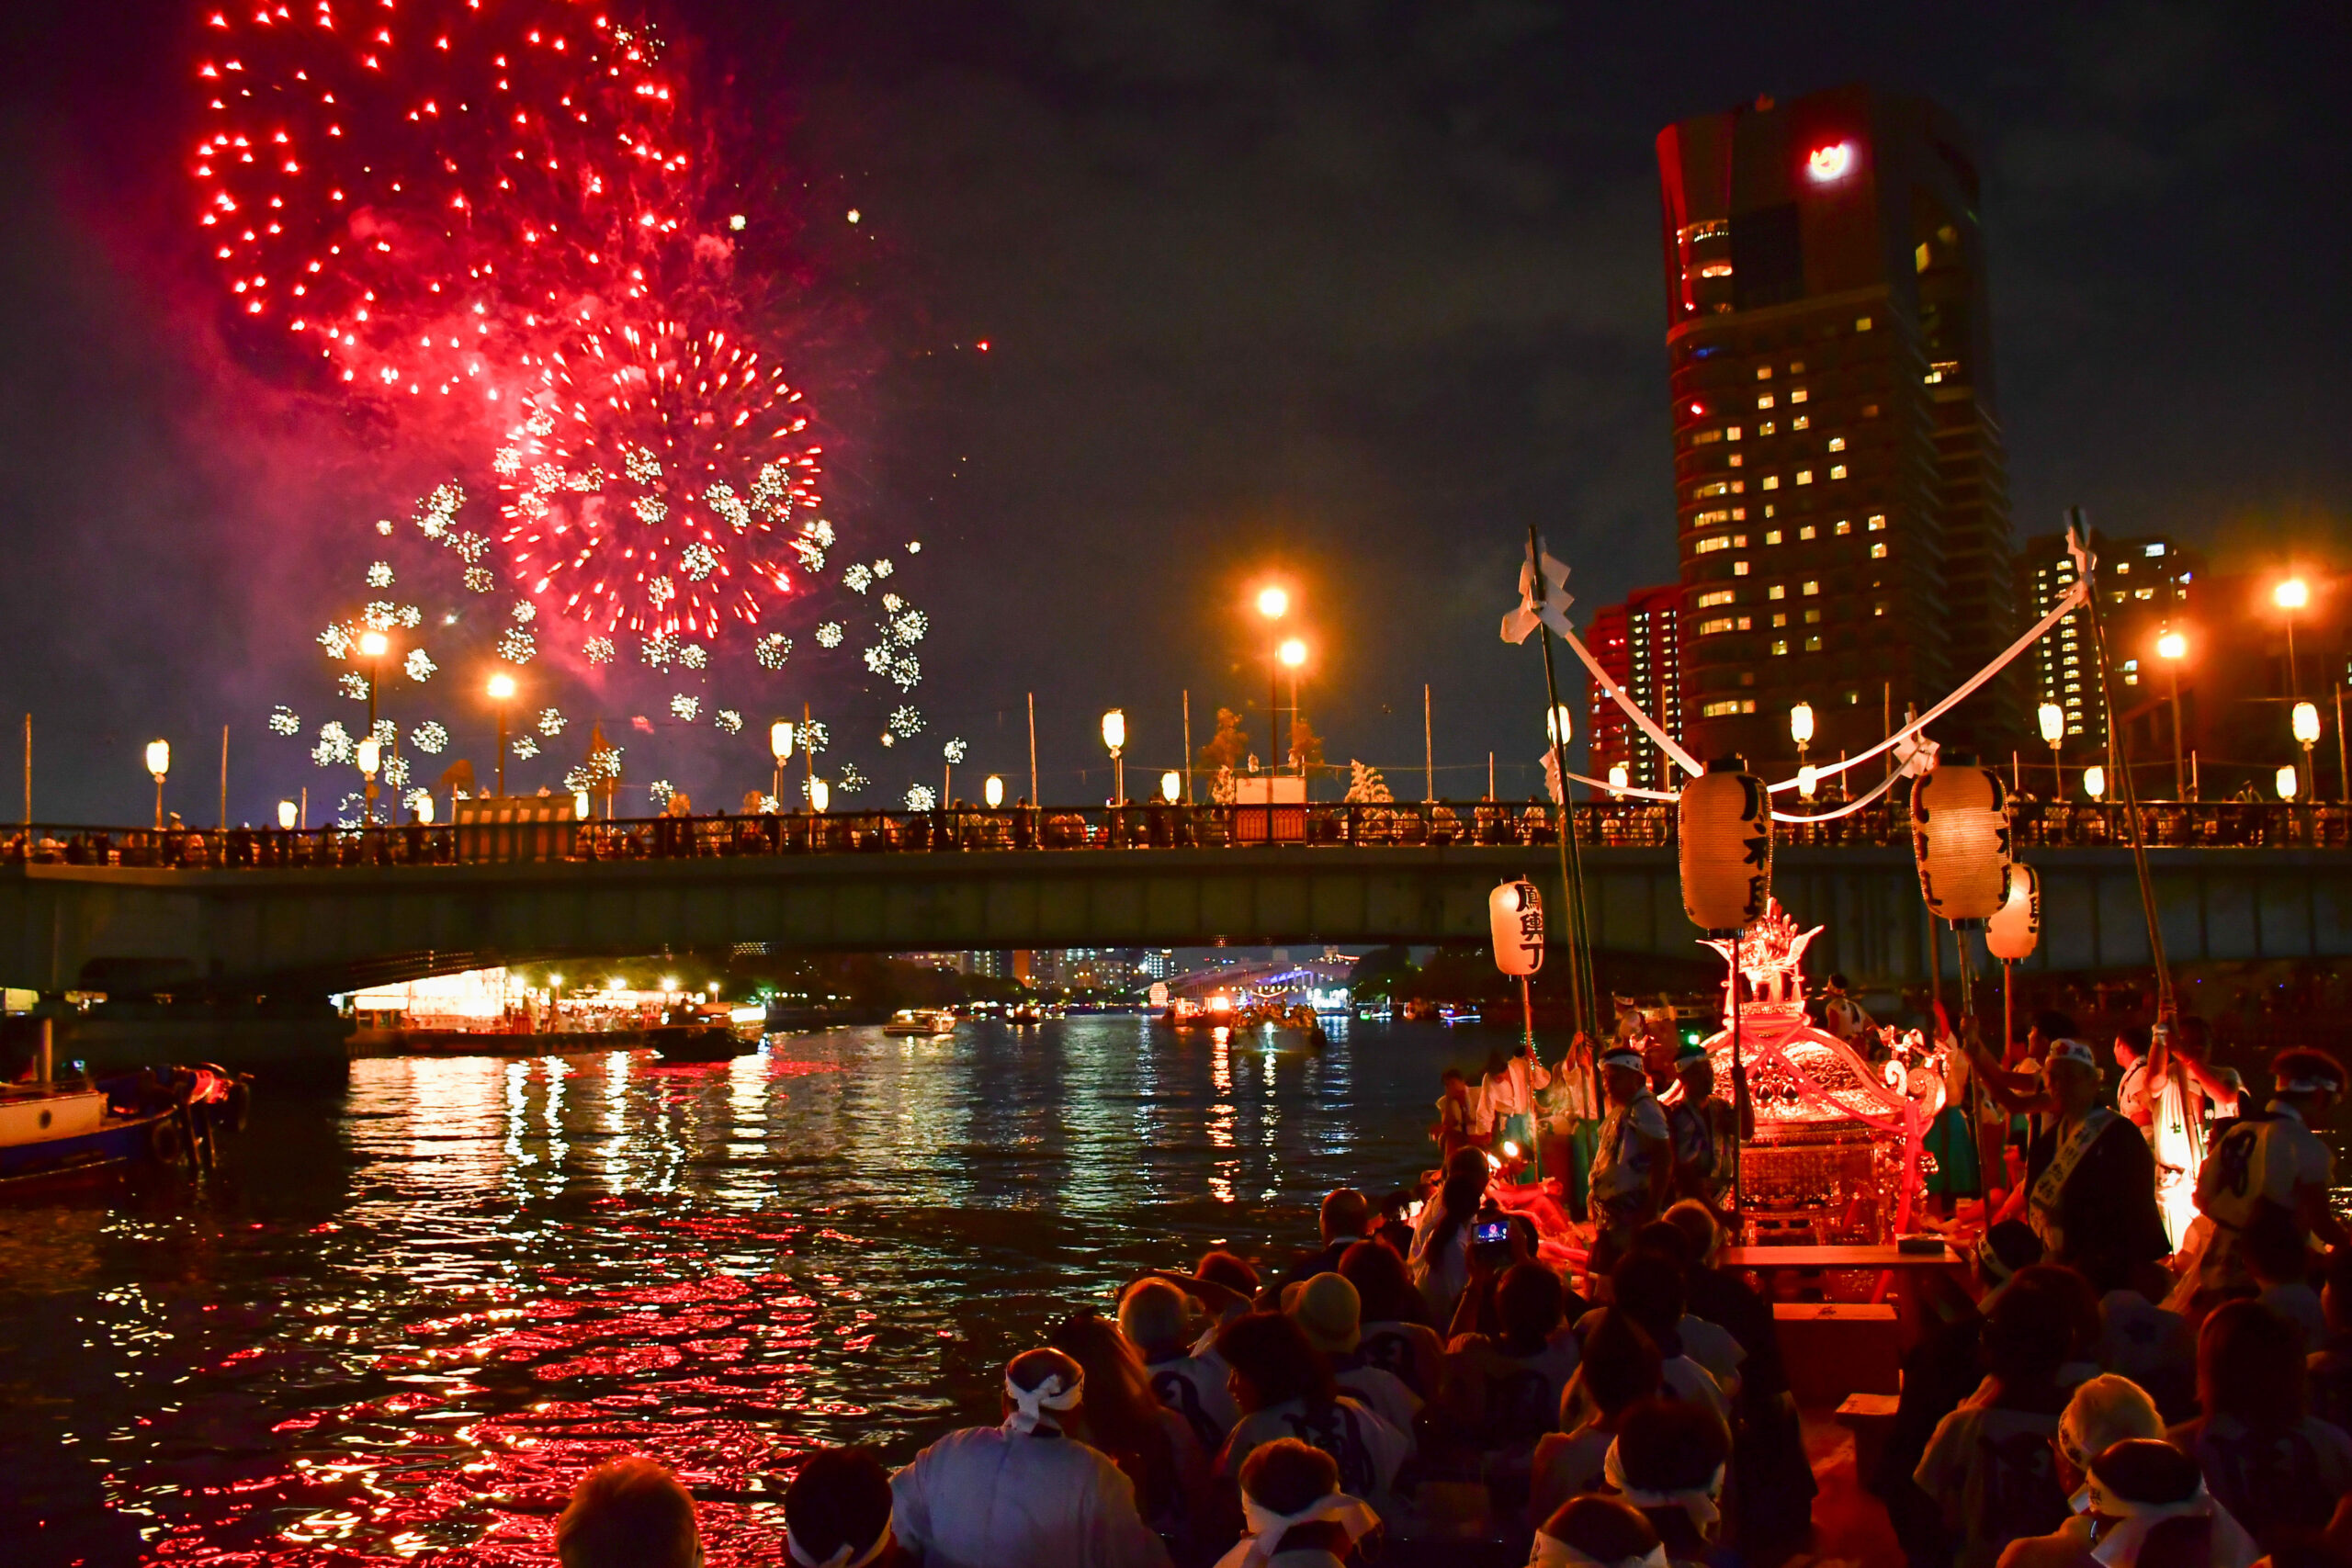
x=406, y=1318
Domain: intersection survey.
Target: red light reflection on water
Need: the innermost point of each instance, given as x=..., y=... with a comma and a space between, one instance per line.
x=509, y=1403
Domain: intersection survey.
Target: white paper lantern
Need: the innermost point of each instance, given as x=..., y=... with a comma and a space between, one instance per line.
x=1960, y=835
x=1515, y=915
x=1724, y=823
x=2014, y=930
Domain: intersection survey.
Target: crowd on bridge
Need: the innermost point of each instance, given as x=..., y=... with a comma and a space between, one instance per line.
x=1536, y=1353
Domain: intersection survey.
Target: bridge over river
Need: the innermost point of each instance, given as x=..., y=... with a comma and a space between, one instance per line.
x=255, y=912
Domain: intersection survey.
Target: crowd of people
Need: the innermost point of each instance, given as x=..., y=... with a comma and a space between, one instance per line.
x=1535, y=1353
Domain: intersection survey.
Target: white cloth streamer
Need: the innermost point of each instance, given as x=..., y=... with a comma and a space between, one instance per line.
x=840, y=1557
x=1035, y=1407
x=1698, y=1502
x=1553, y=1553
x=1266, y=1528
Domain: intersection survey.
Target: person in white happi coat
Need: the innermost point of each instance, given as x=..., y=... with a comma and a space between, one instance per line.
x=1025, y=1493
x=1294, y=1513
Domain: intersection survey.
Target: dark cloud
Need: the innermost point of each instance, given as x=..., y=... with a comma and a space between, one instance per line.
x=1354, y=290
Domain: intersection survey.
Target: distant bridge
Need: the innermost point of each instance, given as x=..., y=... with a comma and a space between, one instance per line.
x=130, y=911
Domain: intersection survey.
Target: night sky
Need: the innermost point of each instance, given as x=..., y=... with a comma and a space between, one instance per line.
x=1353, y=292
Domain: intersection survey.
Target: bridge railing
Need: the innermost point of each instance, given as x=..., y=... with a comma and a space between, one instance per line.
x=958, y=829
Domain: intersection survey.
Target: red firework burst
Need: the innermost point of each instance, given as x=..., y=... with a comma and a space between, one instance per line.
x=501, y=209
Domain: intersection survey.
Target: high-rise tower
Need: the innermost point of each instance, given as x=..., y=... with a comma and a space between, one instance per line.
x=1844, y=523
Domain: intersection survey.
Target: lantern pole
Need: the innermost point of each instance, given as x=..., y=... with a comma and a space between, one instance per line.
x=1580, y=972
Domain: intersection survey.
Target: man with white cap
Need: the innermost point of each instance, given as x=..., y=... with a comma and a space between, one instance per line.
x=1330, y=1312
x=2090, y=1181
x=1027, y=1493
x=1634, y=1165
x=2274, y=1161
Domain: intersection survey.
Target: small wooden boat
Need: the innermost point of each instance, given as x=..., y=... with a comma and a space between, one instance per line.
x=699, y=1042
x=921, y=1023
x=54, y=1130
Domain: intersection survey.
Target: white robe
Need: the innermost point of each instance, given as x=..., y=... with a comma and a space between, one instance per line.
x=993, y=1497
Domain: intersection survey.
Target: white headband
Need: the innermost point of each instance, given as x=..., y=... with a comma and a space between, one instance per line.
x=2121, y=1547
x=1553, y=1553
x=1698, y=1502
x=840, y=1557
x=1034, y=1407
x=2309, y=1085
x=1267, y=1528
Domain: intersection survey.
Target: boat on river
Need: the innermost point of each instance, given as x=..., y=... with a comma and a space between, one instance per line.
x=57, y=1130
x=921, y=1023
x=699, y=1042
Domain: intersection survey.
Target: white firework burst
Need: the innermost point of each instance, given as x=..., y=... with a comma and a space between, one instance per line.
x=910, y=626
x=282, y=721
x=893, y=603
x=694, y=656
x=599, y=649
x=659, y=792
x=419, y=665
x=828, y=635
x=882, y=568
x=479, y=580
x=858, y=579
x=729, y=721
x=686, y=707
x=660, y=649
x=906, y=721
x=921, y=798
x=953, y=751
x=771, y=650
x=697, y=560
x=336, y=640
x=379, y=575
x=852, y=780
x=907, y=670
x=353, y=684
x=333, y=747
x=429, y=737
x=526, y=748
x=517, y=646
x=524, y=612
x=552, y=721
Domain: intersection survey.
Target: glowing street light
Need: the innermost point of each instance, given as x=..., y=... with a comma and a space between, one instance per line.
x=820, y=794
x=2053, y=734
x=1619, y=777
x=373, y=645
x=1808, y=779
x=2305, y=722
x=2286, y=781
x=2094, y=782
x=370, y=758
x=1273, y=603
x=2172, y=647
x=1171, y=786
x=2291, y=595
x=1115, y=741
x=780, y=747
x=1801, y=731
x=501, y=692
x=993, y=792
x=159, y=762
x=1558, y=728
x=1292, y=652
x=286, y=814
x=424, y=808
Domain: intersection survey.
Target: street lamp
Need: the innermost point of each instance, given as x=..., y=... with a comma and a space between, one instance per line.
x=1619, y=777
x=501, y=691
x=371, y=757
x=1801, y=732
x=1114, y=740
x=2172, y=647
x=159, y=762
x=579, y=805
x=373, y=646
x=1558, y=729
x=2094, y=782
x=2291, y=595
x=2053, y=732
x=424, y=808
x=819, y=794
x=2286, y=783
x=780, y=747
x=1808, y=781
x=1171, y=786
x=1293, y=653
x=287, y=812
x=993, y=792
x=2306, y=727
x=1273, y=604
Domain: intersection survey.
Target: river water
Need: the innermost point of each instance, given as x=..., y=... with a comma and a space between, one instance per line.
x=403, y=1318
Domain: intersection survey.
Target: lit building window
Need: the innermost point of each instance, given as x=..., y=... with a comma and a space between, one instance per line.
x=1880, y=607
x=1737, y=460
x=1772, y=481
x=1805, y=476
x=1837, y=470
x=1720, y=542
x=1764, y=400
x=1780, y=617
x=1731, y=432
x=1812, y=617
x=1766, y=428
x=1726, y=706
x=1812, y=643
x=1798, y=394
x=1878, y=551
x=1779, y=646
x=1778, y=590
x=1877, y=520
x=1714, y=627
x=1836, y=444
x=1812, y=587
x=1739, y=568
x=1705, y=519
x=1843, y=528
x=1701, y=437
x=1763, y=372
x=1807, y=531
x=1800, y=423
x=1719, y=596
x=1862, y=323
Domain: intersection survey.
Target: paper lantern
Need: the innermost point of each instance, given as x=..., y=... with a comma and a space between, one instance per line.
x=1724, y=823
x=1515, y=914
x=1960, y=835
x=2015, y=928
